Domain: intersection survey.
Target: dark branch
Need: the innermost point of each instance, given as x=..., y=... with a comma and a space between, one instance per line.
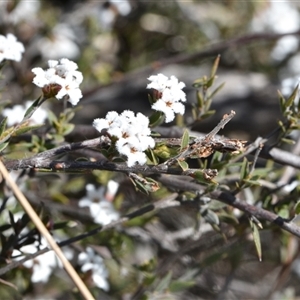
x=231, y=200
x=164, y=203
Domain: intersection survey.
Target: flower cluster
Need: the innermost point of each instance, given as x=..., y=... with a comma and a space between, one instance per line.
x=43, y=265
x=92, y=262
x=169, y=95
x=61, y=80
x=132, y=134
x=10, y=48
x=101, y=209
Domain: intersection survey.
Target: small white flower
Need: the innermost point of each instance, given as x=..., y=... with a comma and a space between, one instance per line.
x=10, y=48
x=170, y=95
x=60, y=43
x=133, y=155
x=61, y=80
x=159, y=82
x=91, y=261
x=169, y=106
x=42, y=265
x=132, y=134
x=102, y=210
x=16, y=113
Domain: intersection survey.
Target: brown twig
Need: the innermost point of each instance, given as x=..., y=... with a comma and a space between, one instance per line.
x=204, y=147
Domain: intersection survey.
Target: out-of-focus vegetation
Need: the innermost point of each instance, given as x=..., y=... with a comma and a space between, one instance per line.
x=190, y=242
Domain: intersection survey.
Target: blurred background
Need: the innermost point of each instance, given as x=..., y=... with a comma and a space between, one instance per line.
x=117, y=46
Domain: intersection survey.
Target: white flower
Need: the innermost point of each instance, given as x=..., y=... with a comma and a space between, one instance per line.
x=91, y=261
x=60, y=43
x=133, y=155
x=16, y=113
x=23, y=10
x=159, y=82
x=132, y=134
x=42, y=265
x=107, y=14
x=10, y=48
x=170, y=95
x=102, y=210
x=62, y=74
x=169, y=106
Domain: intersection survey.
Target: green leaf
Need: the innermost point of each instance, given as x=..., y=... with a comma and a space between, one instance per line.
x=215, y=66
x=261, y=172
x=183, y=165
x=52, y=117
x=280, y=123
x=282, y=101
x=251, y=182
x=164, y=152
x=202, y=177
x=178, y=285
x=61, y=225
x=139, y=186
x=288, y=141
x=164, y=283
x=210, y=216
x=34, y=106
x=217, y=90
x=3, y=146
x=151, y=99
x=244, y=169
x=284, y=212
x=3, y=125
x=291, y=99
x=297, y=208
x=67, y=128
x=200, y=99
x=198, y=83
x=156, y=119
x=152, y=185
x=208, y=114
x=185, y=140
x=6, y=134
x=228, y=218
x=24, y=128
x=256, y=238
x=151, y=156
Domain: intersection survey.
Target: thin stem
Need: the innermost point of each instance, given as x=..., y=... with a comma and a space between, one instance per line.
x=226, y=118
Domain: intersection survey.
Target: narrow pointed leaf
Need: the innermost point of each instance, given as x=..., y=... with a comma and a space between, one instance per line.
x=185, y=140
x=244, y=169
x=297, y=208
x=34, y=106
x=156, y=119
x=291, y=99
x=3, y=146
x=282, y=101
x=164, y=283
x=183, y=165
x=3, y=125
x=256, y=238
x=24, y=129
x=217, y=90
x=215, y=66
